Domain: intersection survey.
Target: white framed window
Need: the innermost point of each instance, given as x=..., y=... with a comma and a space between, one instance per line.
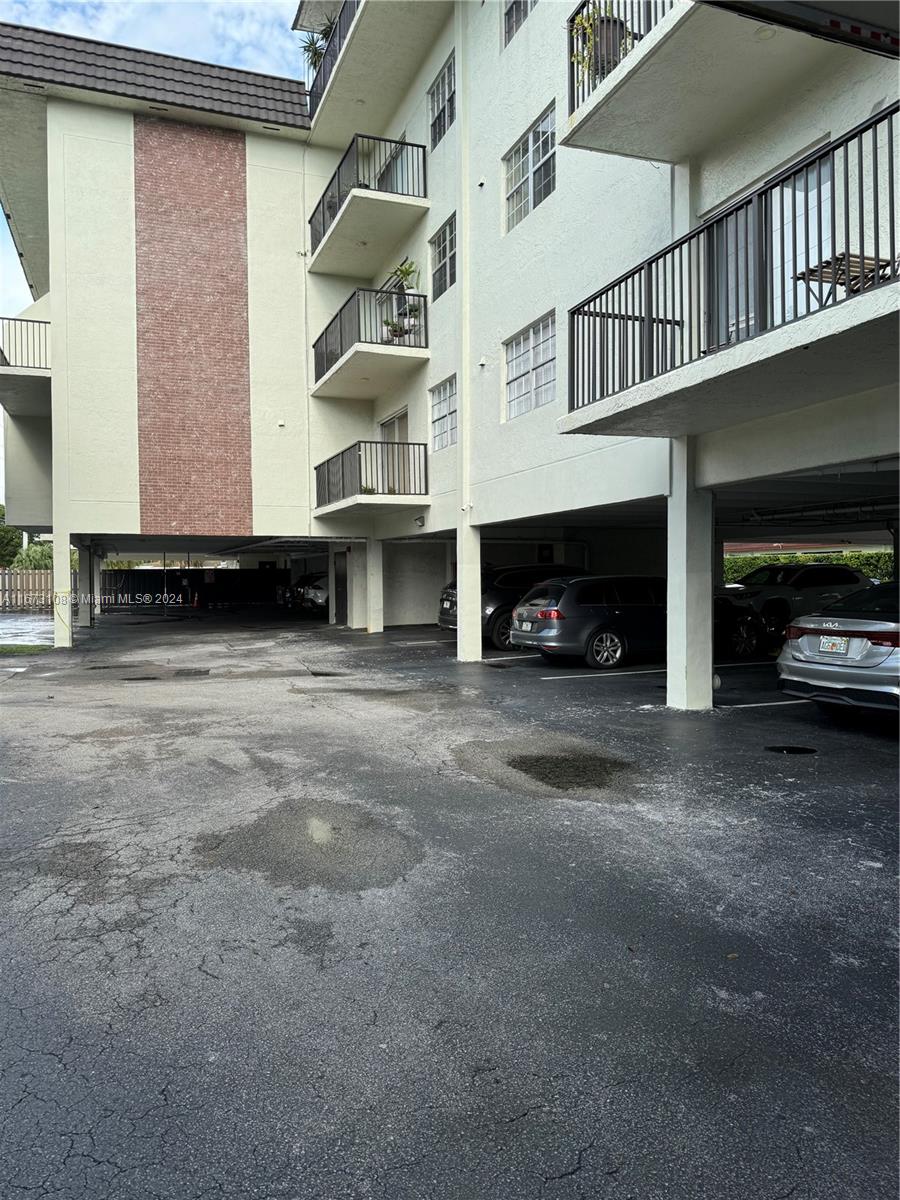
x=531, y=367
x=442, y=100
x=531, y=168
x=514, y=14
x=443, y=414
x=443, y=258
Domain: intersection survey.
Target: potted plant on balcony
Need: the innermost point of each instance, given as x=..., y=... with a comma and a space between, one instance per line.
x=600, y=40
x=406, y=276
x=314, y=42
x=393, y=330
x=411, y=318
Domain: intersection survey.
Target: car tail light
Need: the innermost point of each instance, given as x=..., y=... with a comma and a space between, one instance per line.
x=550, y=614
x=889, y=638
x=793, y=632
x=515, y=616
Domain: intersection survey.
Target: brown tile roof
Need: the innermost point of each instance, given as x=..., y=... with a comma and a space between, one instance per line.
x=42, y=56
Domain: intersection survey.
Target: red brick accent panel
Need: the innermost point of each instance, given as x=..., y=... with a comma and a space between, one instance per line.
x=193, y=353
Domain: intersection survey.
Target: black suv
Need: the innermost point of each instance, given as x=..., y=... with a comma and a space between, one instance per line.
x=501, y=588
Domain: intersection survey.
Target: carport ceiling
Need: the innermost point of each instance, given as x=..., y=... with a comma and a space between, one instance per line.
x=830, y=500
x=133, y=545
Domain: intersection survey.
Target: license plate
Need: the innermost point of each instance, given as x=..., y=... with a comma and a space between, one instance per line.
x=526, y=626
x=829, y=644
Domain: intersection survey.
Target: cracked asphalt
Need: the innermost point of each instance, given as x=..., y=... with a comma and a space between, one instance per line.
x=291, y=913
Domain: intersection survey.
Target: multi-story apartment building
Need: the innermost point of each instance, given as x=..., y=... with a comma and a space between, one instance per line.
x=352, y=319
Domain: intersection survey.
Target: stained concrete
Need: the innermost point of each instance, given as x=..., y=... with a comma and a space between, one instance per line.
x=270, y=933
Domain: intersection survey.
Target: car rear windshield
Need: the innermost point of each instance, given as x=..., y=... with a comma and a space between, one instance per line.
x=544, y=596
x=882, y=600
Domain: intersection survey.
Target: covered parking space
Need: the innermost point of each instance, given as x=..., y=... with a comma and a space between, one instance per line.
x=152, y=578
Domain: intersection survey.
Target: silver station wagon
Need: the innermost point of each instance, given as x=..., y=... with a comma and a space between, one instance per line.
x=847, y=654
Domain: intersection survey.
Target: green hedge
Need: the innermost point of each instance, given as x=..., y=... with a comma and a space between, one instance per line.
x=877, y=564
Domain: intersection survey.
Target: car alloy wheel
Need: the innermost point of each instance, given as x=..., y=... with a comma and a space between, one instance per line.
x=500, y=632
x=745, y=639
x=606, y=650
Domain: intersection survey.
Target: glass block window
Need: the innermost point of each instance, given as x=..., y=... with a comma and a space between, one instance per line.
x=531, y=169
x=443, y=258
x=531, y=367
x=442, y=100
x=443, y=414
x=514, y=14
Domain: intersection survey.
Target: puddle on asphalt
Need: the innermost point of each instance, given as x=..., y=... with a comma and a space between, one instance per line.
x=309, y=843
x=566, y=772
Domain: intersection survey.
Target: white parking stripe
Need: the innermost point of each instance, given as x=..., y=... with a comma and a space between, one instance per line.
x=508, y=657
x=605, y=674
x=765, y=704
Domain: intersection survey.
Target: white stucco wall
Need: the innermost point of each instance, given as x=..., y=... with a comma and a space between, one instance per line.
x=413, y=579
x=279, y=412
x=28, y=465
x=93, y=320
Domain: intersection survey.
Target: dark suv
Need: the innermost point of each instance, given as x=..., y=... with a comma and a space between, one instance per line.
x=501, y=587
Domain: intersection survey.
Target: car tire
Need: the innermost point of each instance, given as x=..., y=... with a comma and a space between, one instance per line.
x=500, y=631
x=746, y=637
x=605, y=650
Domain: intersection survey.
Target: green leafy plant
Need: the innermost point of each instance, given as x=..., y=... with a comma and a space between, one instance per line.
x=367, y=490
x=314, y=42
x=877, y=564
x=407, y=275
x=587, y=29
x=393, y=328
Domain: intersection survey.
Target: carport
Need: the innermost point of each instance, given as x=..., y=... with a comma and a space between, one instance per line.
x=184, y=579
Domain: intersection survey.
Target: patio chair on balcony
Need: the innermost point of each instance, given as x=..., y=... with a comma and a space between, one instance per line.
x=853, y=272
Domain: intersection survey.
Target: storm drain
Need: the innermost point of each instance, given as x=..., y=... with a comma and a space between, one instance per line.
x=138, y=678
x=570, y=771
x=184, y=672
x=791, y=750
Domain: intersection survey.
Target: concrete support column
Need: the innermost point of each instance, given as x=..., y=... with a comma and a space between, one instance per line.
x=85, y=586
x=468, y=592
x=691, y=518
x=331, y=596
x=97, y=585
x=62, y=590
x=374, y=586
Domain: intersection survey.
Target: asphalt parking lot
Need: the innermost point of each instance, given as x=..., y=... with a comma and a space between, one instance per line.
x=293, y=912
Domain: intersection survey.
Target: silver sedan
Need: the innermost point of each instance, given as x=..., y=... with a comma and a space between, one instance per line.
x=847, y=654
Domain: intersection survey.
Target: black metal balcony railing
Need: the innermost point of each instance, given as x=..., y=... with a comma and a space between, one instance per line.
x=373, y=469
x=387, y=318
x=376, y=164
x=822, y=232
x=601, y=34
x=331, y=54
x=24, y=343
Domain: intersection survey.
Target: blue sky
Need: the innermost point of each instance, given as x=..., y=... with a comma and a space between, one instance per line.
x=254, y=34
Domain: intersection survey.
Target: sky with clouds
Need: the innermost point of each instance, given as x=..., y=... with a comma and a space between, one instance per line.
x=253, y=34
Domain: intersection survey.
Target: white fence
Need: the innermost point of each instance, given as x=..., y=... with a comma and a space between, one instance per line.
x=27, y=591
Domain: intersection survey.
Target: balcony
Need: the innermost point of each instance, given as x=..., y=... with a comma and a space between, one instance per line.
x=369, y=64
x=373, y=200
x=666, y=80
x=782, y=301
x=25, y=367
x=385, y=476
x=376, y=341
